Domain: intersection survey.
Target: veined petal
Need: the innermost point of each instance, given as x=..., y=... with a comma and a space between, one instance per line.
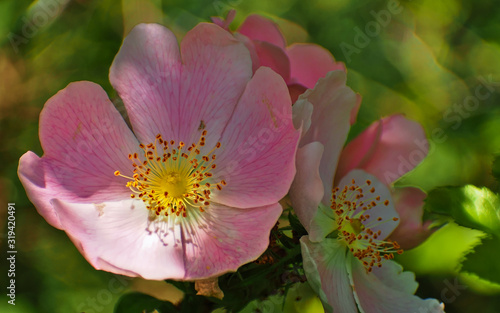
x=257, y=27
x=85, y=140
x=325, y=265
x=225, y=238
x=310, y=62
x=117, y=237
x=216, y=70
x=387, y=149
x=391, y=294
x=330, y=122
x=146, y=74
x=257, y=156
x=163, y=95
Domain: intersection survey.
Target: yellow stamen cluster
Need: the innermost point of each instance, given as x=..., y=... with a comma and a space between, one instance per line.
x=355, y=226
x=172, y=178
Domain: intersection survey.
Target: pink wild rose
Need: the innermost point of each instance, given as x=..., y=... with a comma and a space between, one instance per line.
x=300, y=64
x=192, y=191
x=347, y=190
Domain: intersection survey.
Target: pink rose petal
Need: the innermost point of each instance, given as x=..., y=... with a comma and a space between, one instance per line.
x=389, y=149
x=306, y=191
x=333, y=102
x=310, y=62
x=146, y=74
x=259, y=142
x=273, y=57
x=173, y=99
x=257, y=27
x=225, y=238
x=85, y=140
x=114, y=236
x=411, y=231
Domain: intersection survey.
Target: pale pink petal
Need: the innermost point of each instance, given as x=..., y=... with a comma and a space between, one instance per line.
x=85, y=140
x=257, y=155
x=388, y=149
x=325, y=265
x=310, y=62
x=410, y=206
x=301, y=113
x=391, y=274
x=392, y=294
x=333, y=102
x=119, y=237
x=216, y=69
x=146, y=74
x=31, y=173
x=164, y=96
x=273, y=57
x=225, y=238
x=306, y=191
x=257, y=27
x=386, y=212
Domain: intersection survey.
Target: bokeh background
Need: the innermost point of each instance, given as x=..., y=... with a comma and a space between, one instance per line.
x=427, y=61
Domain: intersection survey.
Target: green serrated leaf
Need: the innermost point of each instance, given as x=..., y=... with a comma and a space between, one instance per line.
x=469, y=206
x=483, y=261
x=138, y=302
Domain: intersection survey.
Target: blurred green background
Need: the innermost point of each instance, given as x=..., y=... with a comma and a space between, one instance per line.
x=438, y=62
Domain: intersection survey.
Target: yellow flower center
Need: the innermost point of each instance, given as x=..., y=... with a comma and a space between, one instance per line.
x=172, y=178
x=354, y=225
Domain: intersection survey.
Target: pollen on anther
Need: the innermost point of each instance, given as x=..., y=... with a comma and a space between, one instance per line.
x=148, y=182
x=386, y=202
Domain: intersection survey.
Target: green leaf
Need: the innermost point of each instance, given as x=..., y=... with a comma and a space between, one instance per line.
x=484, y=260
x=296, y=225
x=469, y=206
x=137, y=302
